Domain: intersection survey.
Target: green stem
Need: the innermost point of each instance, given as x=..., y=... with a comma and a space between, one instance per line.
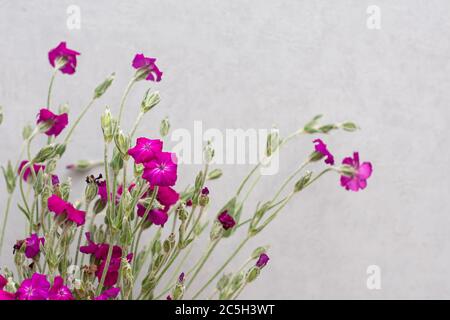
x=202, y=261
x=222, y=267
x=105, y=270
x=5, y=220
x=50, y=87
x=122, y=101
x=77, y=121
x=80, y=236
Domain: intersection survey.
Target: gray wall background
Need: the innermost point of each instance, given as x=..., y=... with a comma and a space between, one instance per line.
x=252, y=64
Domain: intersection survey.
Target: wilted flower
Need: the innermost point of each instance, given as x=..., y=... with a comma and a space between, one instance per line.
x=55, y=123
x=148, y=66
x=59, y=206
x=162, y=171
x=27, y=172
x=63, y=58
x=145, y=149
x=32, y=245
x=35, y=288
x=226, y=220
x=321, y=148
x=262, y=260
x=362, y=172
x=205, y=191
x=59, y=291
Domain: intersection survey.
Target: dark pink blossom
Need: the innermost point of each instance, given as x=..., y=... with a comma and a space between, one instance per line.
x=4, y=295
x=59, y=291
x=226, y=220
x=162, y=171
x=156, y=216
x=32, y=245
x=56, y=122
x=55, y=179
x=321, y=148
x=205, y=191
x=142, y=62
x=111, y=293
x=189, y=203
x=27, y=173
x=3, y=282
x=35, y=288
x=262, y=261
x=145, y=149
x=167, y=197
x=112, y=275
x=359, y=178
x=59, y=206
x=99, y=250
x=68, y=56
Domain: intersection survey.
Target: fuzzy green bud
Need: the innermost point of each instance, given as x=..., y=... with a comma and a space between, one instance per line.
x=10, y=177
x=223, y=282
x=164, y=127
x=108, y=125
x=300, y=184
x=38, y=185
x=123, y=143
x=151, y=99
x=101, y=88
x=273, y=141
x=27, y=131
x=349, y=126
x=63, y=108
x=45, y=153
x=258, y=251
x=252, y=274
x=215, y=174
x=90, y=192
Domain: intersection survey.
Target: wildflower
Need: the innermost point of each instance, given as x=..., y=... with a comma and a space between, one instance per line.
x=59, y=291
x=167, y=197
x=35, y=288
x=59, y=206
x=262, y=261
x=162, y=171
x=156, y=216
x=32, y=245
x=112, y=274
x=362, y=172
x=205, y=191
x=148, y=66
x=55, y=180
x=111, y=293
x=321, y=149
x=226, y=220
x=99, y=250
x=189, y=203
x=5, y=295
x=145, y=150
x=55, y=123
x=27, y=172
x=63, y=58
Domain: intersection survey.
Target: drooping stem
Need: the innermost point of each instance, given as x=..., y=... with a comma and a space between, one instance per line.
x=122, y=101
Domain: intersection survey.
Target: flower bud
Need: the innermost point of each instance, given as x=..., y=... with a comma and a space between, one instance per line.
x=273, y=141
x=83, y=165
x=63, y=108
x=116, y=161
x=1, y=114
x=311, y=126
x=108, y=125
x=215, y=174
x=126, y=235
x=151, y=99
x=10, y=177
x=138, y=169
x=60, y=149
x=123, y=144
x=252, y=274
x=300, y=184
x=327, y=128
x=349, y=126
x=208, y=152
x=101, y=88
x=258, y=252
x=237, y=281
x=45, y=153
x=27, y=131
x=223, y=282
x=65, y=189
x=316, y=156
x=38, y=185
x=51, y=166
x=99, y=205
x=216, y=231
x=164, y=127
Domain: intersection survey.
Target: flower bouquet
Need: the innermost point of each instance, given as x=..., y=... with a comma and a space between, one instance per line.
x=90, y=246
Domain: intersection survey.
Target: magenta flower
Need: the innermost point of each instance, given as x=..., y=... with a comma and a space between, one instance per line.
x=145, y=150
x=3, y=282
x=27, y=174
x=262, y=261
x=32, y=245
x=64, y=55
x=56, y=122
x=112, y=275
x=156, y=216
x=59, y=291
x=99, y=250
x=226, y=220
x=359, y=178
x=321, y=148
x=189, y=203
x=4, y=295
x=111, y=293
x=55, y=180
x=59, y=206
x=35, y=288
x=167, y=197
x=142, y=62
x=162, y=171
x=205, y=191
